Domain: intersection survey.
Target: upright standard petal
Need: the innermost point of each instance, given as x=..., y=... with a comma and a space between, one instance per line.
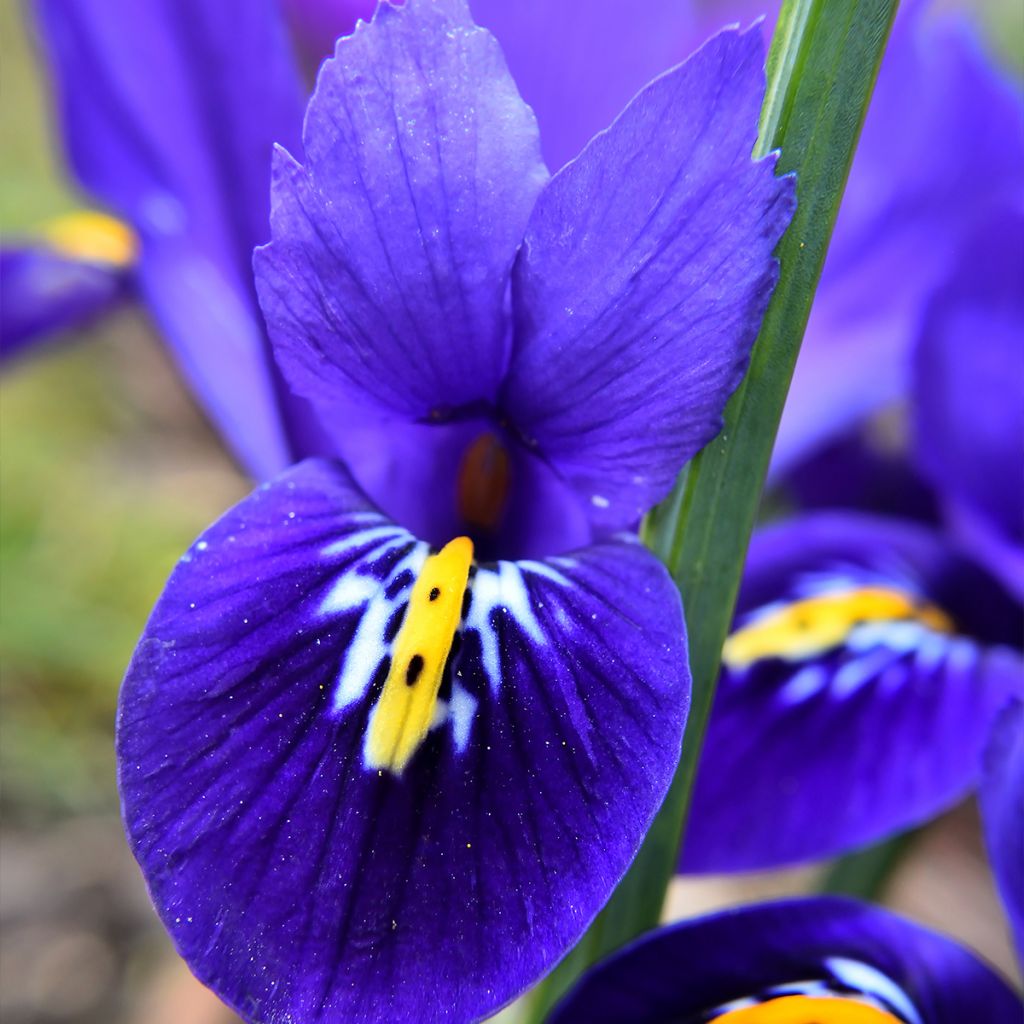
x=645, y=271
x=392, y=247
x=816, y=959
x=865, y=668
x=943, y=143
x=576, y=64
x=1001, y=795
x=366, y=780
x=169, y=112
x=969, y=397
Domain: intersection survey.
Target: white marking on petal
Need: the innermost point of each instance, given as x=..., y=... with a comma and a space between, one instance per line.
x=461, y=710
x=486, y=597
x=854, y=674
x=806, y=683
x=545, y=570
x=505, y=589
x=440, y=714
x=599, y=501
x=360, y=538
x=352, y=590
x=368, y=648
x=864, y=978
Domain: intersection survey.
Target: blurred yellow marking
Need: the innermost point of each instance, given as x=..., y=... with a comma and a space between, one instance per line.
x=808, y=1010
x=403, y=714
x=92, y=237
x=809, y=627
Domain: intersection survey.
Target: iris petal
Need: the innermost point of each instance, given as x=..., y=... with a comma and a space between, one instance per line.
x=43, y=293
x=169, y=110
x=864, y=671
x=388, y=274
x=304, y=875
x=645, y=271
x=1002, y=813
x=904, y=220
x=969, y=403
x=689, y=971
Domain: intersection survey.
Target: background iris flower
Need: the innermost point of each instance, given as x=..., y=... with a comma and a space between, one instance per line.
x=363, y=775
x=792, y=962
x=866, y=667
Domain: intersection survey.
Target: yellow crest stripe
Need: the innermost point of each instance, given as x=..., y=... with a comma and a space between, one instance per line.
x=805, y=628
x=403, y=715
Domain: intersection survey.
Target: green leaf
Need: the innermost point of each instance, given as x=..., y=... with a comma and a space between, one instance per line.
x=821, y=69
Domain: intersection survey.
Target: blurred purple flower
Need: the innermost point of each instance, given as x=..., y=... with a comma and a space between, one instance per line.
x=942, y=148
x=968, y=397
x=814, y=959
x=867, y=663
x=79, y=270
x=362, y=775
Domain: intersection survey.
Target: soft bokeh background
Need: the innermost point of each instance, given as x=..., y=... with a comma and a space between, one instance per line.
x=107, y=472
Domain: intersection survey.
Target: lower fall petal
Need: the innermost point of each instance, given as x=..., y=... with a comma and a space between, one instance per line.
x=326, y=841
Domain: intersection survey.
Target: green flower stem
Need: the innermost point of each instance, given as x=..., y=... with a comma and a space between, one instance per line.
x=821, y=69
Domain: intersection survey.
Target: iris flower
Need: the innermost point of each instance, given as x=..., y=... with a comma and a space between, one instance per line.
x=867, y=663
x=399, y=723
x=792, y=962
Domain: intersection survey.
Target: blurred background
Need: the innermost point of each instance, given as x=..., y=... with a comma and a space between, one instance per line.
x=107, y=472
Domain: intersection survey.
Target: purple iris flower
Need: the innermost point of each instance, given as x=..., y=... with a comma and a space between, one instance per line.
x=399, y=721
x=791, y=962
x=867, y=663
x=170, y=111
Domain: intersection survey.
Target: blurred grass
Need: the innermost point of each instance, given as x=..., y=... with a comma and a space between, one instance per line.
x=92, y=517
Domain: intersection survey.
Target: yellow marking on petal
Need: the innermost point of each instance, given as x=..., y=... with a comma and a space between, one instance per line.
x=808, y=1010
x=406, y=707
x=92, y=237
x=805, y=628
